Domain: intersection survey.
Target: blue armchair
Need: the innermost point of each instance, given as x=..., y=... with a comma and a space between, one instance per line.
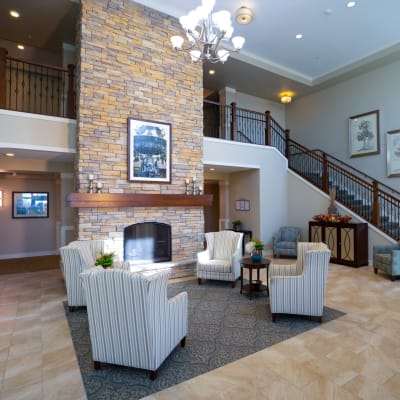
x=285, y=241
x=387, y=259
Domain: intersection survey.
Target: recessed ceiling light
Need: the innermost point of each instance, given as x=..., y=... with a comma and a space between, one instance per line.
x=212, y=169
x=211, y=71
x=10, y=154
x=21, y=47
x=350, y=4
x=14, y=13
x=299, y=36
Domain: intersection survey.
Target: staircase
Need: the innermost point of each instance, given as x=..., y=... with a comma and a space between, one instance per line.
x=372, y=200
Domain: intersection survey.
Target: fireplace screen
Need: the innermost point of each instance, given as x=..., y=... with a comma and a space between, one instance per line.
x=147, y=242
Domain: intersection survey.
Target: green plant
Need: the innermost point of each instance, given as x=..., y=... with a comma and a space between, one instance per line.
x=236, y=222
x=105, y=259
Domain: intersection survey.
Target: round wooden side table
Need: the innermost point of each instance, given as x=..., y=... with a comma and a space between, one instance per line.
x=253, y=285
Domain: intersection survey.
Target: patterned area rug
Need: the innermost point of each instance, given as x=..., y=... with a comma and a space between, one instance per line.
x=224, y=326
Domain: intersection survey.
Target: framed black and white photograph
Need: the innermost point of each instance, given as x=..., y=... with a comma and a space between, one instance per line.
x=149, y=151
x=393, y=153
x=364, y=134
x=30, y=204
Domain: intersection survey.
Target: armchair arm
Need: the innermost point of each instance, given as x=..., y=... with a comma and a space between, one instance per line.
x=276, y=237
x=122, y=265
x=203, y=256
x=281, y=270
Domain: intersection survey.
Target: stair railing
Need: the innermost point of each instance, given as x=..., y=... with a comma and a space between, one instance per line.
x=36, y=88
x=374, y=201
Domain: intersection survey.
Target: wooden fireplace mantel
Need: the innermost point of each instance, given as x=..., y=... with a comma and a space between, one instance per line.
x=95, y=200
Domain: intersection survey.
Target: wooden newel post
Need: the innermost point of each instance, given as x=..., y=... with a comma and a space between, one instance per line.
x=268, y=128
x=287, y=144
x=233, y=122
x=3, y=85
x=375, y=204
x=325, y=178
x=70, y=92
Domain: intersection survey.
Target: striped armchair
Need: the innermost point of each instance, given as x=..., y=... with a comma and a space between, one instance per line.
x=76, y=257
x=221, y=259
x=131, y=320
x=299, y=288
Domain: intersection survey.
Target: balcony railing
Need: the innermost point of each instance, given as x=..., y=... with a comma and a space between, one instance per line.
x=36, y=88
x=374, y=201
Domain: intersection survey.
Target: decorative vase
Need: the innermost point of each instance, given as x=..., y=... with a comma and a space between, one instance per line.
x=256, y=255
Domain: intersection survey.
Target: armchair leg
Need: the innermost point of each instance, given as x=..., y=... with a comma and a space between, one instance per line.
x=153, y=375
x=375, y=270
x=96, y=364
x=319, y=318
x=273, y=317
x=183, y=342
x=199, y=281
x=233, y=284
x=71, y=308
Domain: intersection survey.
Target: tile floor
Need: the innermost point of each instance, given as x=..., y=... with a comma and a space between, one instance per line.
x=356, y=356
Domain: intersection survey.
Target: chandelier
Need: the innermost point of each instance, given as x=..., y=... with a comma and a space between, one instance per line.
x=206, y=31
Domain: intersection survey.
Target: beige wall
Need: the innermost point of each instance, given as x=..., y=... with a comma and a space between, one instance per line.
x=23, y=237
x=128, y=69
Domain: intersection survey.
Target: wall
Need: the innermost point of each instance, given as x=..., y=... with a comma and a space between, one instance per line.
x=25, y=237
x=268, y=193
x=128, y=69
x=320, y=120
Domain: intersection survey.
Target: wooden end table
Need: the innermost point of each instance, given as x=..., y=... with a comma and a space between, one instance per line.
x=253, y=285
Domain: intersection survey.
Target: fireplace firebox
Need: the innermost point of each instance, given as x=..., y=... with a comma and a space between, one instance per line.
x=147, y=242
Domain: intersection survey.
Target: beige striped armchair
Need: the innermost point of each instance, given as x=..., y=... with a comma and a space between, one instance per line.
x=221, y=259
x=131, y=320
x=76, y=257
x=299, y=288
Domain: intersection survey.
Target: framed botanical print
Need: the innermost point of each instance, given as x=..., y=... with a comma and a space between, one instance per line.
x=393, y=153
x=364, y=134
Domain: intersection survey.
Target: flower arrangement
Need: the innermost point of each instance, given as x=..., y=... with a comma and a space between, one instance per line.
x=105, y=260
x=254, y=244
x=332, y=218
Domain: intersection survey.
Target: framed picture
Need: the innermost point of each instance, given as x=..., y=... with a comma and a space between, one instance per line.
x=242, y=205
x=30, y=204
x=364, y=134
x=149, y=151
x=393, y=153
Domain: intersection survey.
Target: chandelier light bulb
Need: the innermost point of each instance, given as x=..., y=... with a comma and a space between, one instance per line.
x=177, y=42
x=238, y=42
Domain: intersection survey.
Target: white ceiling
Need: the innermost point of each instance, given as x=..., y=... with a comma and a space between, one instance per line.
x=338, y=42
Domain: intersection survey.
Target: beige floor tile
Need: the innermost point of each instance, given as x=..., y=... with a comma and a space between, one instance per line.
x=31, y=392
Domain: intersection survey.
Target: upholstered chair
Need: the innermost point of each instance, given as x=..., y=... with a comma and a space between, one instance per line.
x=285, y=241
x=131, y=320
x=387, y=259
x=299, y=288
x=76, y=257
x=221, y=259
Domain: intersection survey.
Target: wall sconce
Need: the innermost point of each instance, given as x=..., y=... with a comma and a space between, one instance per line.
x=1, y=198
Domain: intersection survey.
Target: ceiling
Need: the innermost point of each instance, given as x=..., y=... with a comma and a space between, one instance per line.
x=338, y=42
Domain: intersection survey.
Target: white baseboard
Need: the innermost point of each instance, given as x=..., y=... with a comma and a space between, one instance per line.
x=28, y=254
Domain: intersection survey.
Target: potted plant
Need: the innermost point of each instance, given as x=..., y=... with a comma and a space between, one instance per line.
x=105, y=260
x=237, y=225
x=255, y=248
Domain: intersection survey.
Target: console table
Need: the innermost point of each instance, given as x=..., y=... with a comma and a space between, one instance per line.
x=348, y=242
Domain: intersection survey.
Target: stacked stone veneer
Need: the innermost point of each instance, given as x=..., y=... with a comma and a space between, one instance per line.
x=127, y=69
